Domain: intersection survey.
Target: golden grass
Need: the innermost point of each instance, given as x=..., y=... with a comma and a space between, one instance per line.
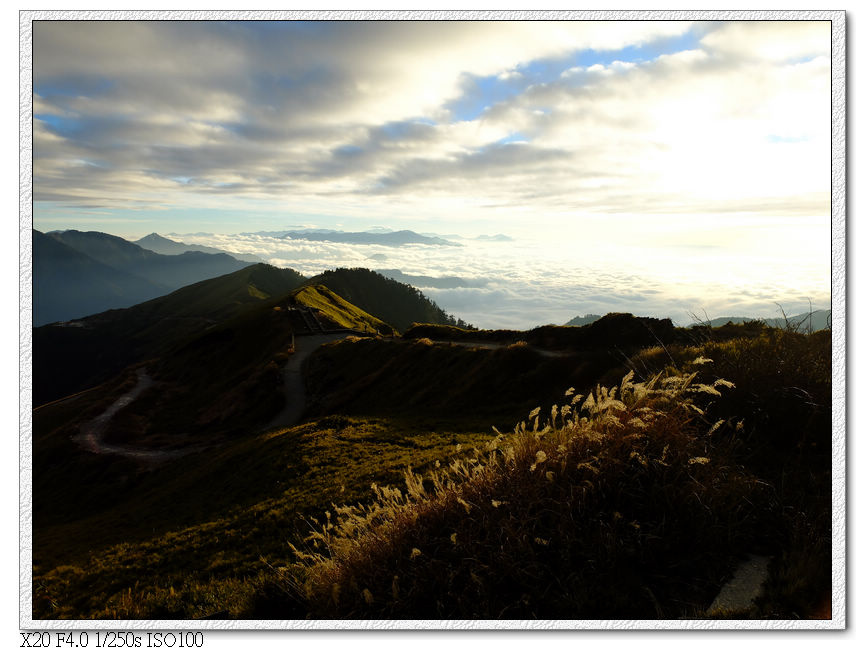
x=536, y=522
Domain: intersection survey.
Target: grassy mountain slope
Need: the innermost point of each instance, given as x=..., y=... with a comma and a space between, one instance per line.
x=68, y=284
x=106, y=343
x=226, y=380
x=642, y=509
x=338, y=312
x=417, y=379
x=203, y=524
x=635, y=501
x=222, y=377
x=394, y=302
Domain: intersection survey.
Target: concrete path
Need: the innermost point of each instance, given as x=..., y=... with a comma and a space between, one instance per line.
x=744, y=587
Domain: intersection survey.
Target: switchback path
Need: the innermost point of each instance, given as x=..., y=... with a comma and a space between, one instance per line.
x=92, y=433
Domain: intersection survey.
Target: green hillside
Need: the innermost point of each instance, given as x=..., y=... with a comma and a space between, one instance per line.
x=394, y=302
x=338, y=312
x=102, y=345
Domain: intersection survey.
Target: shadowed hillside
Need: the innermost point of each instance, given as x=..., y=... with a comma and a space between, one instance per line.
x=68, y=284
x=615, y=330
x=101, y=345
x=164, y=246
x=636, y=499
x=174, y=271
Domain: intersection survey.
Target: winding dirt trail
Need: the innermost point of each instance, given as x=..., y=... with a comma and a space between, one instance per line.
x=92, y=433
x=295, y=387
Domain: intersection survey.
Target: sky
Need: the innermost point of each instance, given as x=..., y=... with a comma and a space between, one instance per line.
x=685, y=163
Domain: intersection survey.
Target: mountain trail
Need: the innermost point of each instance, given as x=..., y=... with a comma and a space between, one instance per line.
x=293, y=382
x=92, y=433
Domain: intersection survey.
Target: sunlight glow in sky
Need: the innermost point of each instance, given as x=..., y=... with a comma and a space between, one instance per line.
x=652, y=135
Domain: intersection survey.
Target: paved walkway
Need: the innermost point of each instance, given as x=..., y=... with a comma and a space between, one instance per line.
x=292, y=379
x=744, y=587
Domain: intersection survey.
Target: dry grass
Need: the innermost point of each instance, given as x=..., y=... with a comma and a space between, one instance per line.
x=624, y=504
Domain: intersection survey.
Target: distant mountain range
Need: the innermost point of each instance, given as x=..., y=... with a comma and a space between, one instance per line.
x=68, y=284
x=174, y=271
x=484, y=238
x=579, y=321
x=79, y=273
x=397, y=238
x=819, y=319
x=164, y=246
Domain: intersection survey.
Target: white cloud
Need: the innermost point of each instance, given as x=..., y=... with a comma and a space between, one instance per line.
x=738, y=268
x=775, y=41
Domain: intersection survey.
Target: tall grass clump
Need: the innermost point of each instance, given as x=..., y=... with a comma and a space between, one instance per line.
x=623, y=503
x=783, y=395
x=784, y=386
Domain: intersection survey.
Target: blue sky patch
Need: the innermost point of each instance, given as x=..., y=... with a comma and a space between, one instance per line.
x=404, y=128
x=73, y=86
x=58, y=124
x=481, y=93
x=348, y=150
x=512, y=138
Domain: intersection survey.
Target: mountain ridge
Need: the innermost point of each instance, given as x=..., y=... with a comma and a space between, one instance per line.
x=173, y=271
x=395, y=238
x=68, y=284
x=165, y=246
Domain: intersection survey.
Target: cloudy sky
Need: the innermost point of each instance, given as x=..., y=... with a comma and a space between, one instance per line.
x=673, y=151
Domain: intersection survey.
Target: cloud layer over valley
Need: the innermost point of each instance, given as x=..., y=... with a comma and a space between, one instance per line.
x=525, y=283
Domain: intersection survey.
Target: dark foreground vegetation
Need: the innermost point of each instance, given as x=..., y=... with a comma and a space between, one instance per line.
x=656, y=459
x=632, y=502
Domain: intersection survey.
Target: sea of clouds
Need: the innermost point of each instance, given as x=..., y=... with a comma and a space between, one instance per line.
x=525, y=283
